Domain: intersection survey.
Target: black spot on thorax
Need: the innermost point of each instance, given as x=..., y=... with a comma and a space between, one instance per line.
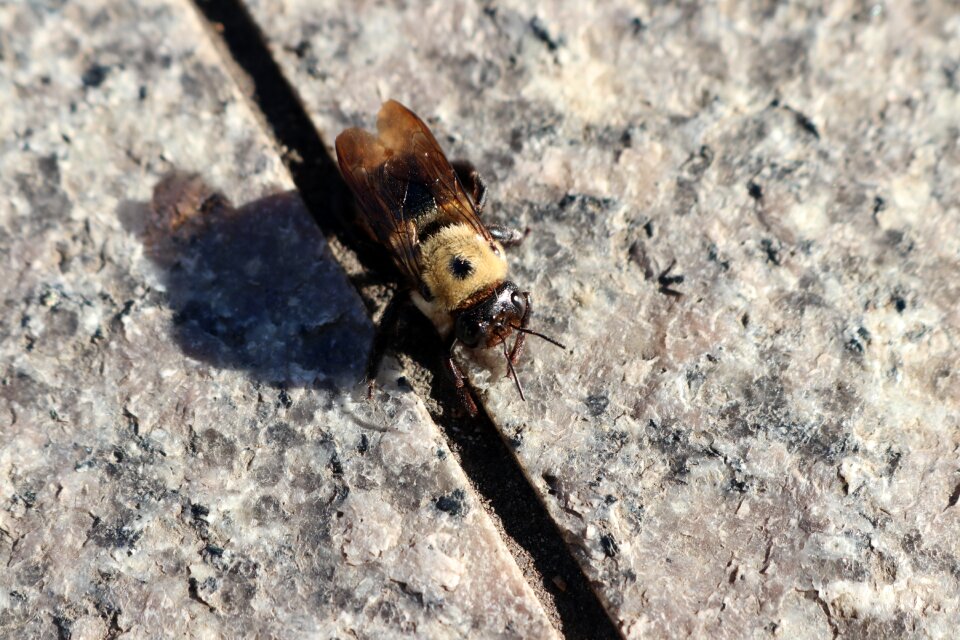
x=460, y=267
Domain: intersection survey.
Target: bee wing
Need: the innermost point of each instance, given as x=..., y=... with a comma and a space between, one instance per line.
x=419, y=159
x=381, y=170
x=362, y=160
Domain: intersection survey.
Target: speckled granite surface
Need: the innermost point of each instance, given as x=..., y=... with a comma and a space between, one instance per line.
x=182, y=453
x=776, y=452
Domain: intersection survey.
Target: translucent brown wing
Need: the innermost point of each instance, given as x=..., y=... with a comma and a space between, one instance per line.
x=362, y=160
x=393, y=173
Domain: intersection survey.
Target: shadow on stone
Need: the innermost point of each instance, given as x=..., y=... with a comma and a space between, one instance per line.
x=252, y=287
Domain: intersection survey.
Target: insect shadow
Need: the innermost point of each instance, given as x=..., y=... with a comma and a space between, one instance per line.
x=252, y=287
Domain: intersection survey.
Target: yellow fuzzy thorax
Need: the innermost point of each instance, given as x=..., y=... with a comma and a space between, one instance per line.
x=488, y=265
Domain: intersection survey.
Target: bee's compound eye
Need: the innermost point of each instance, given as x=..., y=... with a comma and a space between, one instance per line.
x=469, y=332
x=519, y=301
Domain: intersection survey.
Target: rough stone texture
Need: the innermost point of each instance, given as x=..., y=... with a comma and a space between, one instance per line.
x=183, y=450
x=775, y=452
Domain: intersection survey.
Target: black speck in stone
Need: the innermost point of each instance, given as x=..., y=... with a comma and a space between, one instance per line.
x=27, y=498
x=772, y=251
x=806, y=123
x=302, y=49
x=553, y=483
x=541, y=33
x=364, y=445
x=755, y=190
x=713, y=255
x=64, y=626
x=899, y=304
x=113, y=535
x=893, y=461
x=142, y=92
x=609, y=545
x=193, y=589
x=879, y=204
x=597, y=404
x=335, y=465
x=198, y=511
x=617, y=438
x=854, y=346
x=610, y=499
x=738, y=484
x=954, y=497
x=912, y=542
x=648, y=228
x=284, y=399
x=666, y=281
x=94, y=76
x=454, y=504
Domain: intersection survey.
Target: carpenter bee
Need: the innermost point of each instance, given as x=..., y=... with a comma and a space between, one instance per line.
x=412, y=201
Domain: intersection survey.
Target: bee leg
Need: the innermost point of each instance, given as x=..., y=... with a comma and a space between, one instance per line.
x=517, y=349
x=463, y=394
x=506, y=236
x=383, y=336
x=477, y=188
x=470, y=178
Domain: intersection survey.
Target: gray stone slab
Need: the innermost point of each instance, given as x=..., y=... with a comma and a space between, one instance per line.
x=775, y=452
x=183, y=450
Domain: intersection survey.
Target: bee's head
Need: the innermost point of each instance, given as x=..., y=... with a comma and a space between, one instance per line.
x=491, y=320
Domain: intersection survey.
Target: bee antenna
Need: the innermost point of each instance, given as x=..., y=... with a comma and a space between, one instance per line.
x=513, y=372
x=539, y=335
